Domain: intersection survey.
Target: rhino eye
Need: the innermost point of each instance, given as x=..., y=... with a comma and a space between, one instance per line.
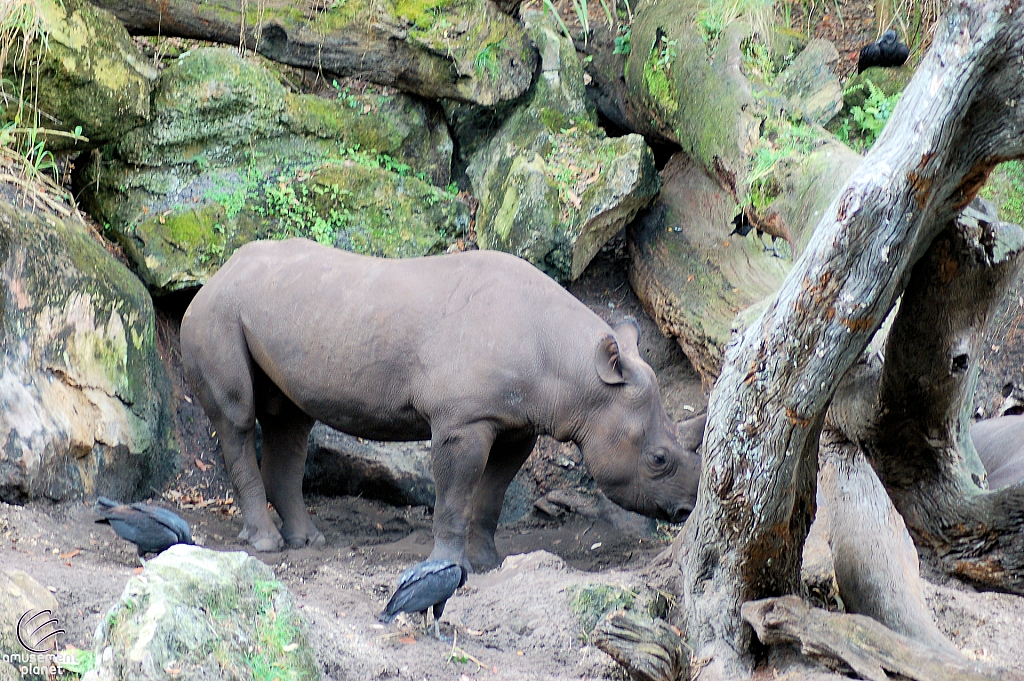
x=658, y=458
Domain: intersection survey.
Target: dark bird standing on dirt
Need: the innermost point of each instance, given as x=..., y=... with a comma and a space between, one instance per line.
x=151, y=528
x=423, y=586
x=886, y=51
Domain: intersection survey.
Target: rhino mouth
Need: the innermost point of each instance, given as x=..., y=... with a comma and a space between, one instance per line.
x=680, y=513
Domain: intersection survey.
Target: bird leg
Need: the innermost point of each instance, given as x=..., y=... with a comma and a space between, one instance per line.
x=426, y=623
x=437, y=631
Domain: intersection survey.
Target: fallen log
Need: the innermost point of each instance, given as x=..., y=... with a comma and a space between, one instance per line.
x=868, y=647
x=466, y=50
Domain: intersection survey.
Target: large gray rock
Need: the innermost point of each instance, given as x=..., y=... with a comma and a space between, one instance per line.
x=810, y=84
x=553, y=188
x=398, y=473
x=84, y=397
x=395, y=472
x=199, y=614
x=231, y=156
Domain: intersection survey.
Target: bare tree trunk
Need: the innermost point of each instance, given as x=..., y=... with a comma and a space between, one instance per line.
x=922, y=449
x=480, y=55
x=956, y=120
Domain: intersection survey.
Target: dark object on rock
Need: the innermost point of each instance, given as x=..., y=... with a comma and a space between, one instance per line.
x=743, y=225
x=151, y=528
x=424, y=586
x=648, y=649
x=886, y=51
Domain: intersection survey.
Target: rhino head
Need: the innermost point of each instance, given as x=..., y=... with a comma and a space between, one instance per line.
x=630, y=445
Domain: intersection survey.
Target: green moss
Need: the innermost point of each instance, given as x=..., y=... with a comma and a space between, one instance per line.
x=658, y=84
x=782, y=140
x=591, y=602
x=421, y=13
x=1005, y=187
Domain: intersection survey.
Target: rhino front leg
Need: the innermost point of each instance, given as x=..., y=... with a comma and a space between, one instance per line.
x=506, y=458
x=285, y=440
x=458, y=458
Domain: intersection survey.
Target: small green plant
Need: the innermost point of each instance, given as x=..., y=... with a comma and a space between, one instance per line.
x=486, y=60
x=667, y=54
x=757, y=59
x=80, y=662
x=714, y=15
x=622, y=41
x=346, y=96
x=874, y=114
x=782, y=139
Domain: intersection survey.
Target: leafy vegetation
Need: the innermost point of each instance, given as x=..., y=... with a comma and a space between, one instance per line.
x=714, y=15
x=864, y=124
x=23, y=152
x=1005, y=187
x=591, y=602
x=783, y=139
x=758, y=62
x=622, y=40
x=76, y=661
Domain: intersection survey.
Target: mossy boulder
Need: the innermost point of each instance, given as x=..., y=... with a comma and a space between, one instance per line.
x=85, y=398
x=810, y=84
x=90, y=74
x=230, y=156
x=200, y=614
x=553, y=188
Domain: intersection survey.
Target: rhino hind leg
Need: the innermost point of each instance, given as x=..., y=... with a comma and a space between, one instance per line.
x=285, y=440
x=458, y=458
x=219, y=368
x=506, y=458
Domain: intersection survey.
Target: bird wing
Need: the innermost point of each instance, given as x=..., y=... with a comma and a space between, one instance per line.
x=168, y=519
x=424, y=585
x=139, y=528
x=107, y=503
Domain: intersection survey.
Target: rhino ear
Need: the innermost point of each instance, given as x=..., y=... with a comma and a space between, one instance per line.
x=628, y=333
x=608, y=361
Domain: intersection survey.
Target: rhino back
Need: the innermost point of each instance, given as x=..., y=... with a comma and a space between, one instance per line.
x=375, y=347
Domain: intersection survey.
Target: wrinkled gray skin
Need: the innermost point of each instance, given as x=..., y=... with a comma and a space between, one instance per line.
x=1000, y=446
x=479, y=352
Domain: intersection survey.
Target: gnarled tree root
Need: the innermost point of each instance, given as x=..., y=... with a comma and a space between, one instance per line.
x=869, y=648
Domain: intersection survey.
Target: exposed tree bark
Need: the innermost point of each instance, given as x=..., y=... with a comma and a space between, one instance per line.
x=956, y=120
x=922, y=448
x=875, y=561
x=480, y=55
x=648, y=649
x=867, y=646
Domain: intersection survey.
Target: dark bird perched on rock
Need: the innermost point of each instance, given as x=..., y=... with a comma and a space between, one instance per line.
x=424, y=586
x=743, y=227
x=151, y=528
x=886, y=51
